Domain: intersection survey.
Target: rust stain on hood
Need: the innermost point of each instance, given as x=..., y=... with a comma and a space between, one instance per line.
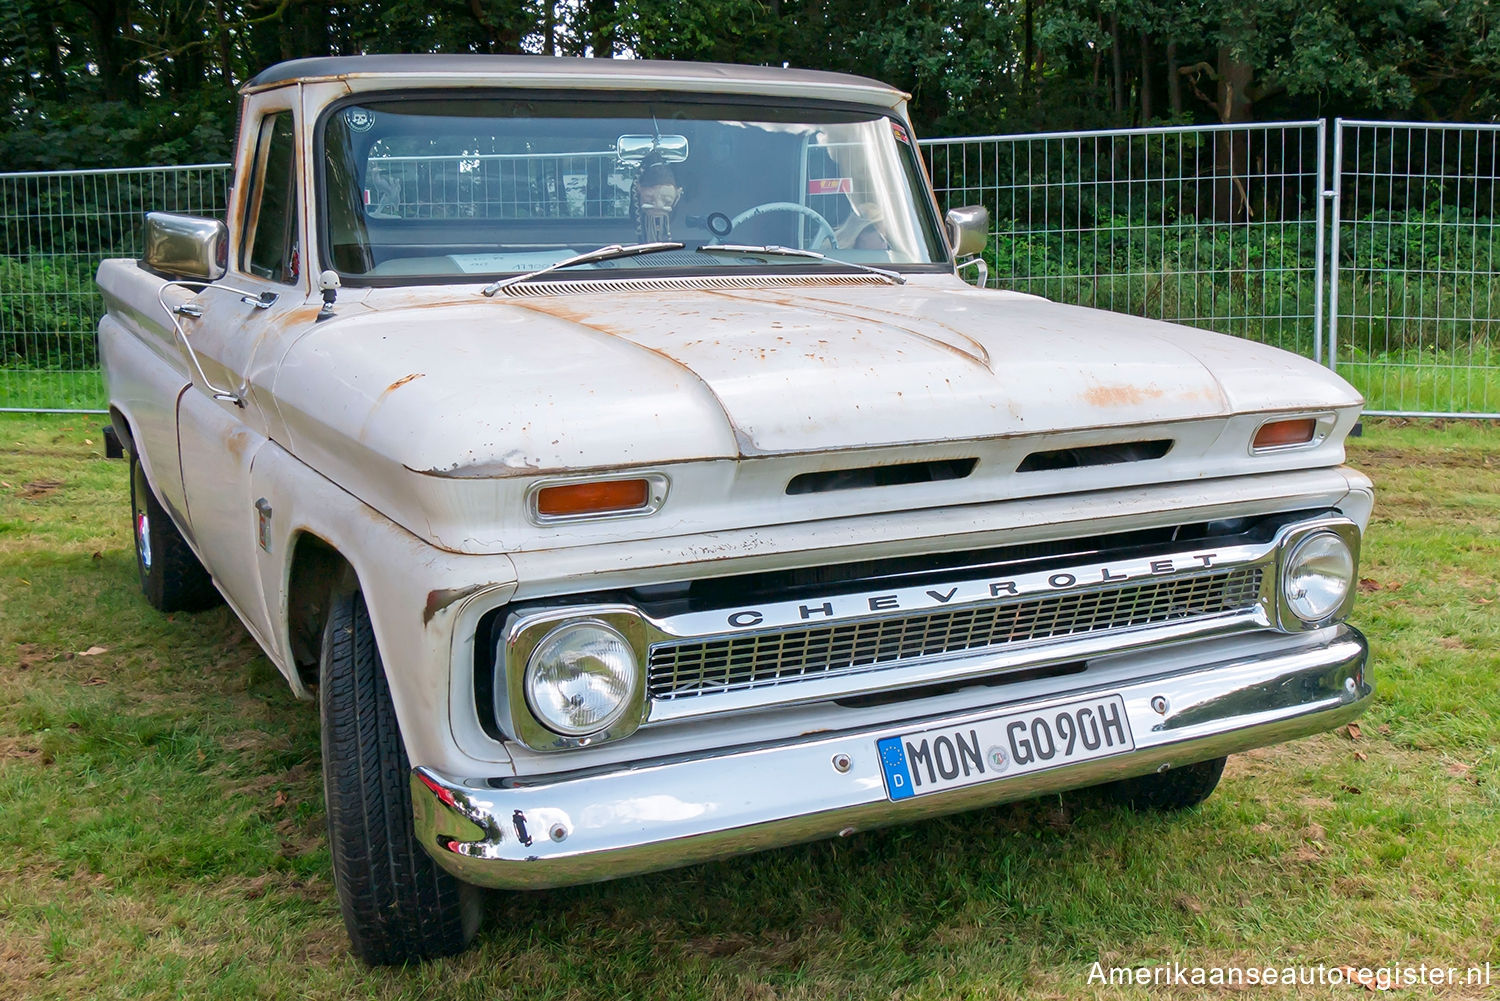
x=1121, y=396
x=402, y=381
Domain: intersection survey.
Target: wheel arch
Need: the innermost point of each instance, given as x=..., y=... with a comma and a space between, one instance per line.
x=316, y=570
x=123, y=430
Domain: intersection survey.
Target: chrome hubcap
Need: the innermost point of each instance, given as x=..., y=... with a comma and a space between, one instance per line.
x=143, y=538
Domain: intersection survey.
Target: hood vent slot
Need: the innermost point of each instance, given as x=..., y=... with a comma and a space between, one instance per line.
x=881, y=476
x=1096, y=455
x=704, y=283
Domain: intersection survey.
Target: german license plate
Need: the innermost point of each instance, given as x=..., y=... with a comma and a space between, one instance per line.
x=949, y=757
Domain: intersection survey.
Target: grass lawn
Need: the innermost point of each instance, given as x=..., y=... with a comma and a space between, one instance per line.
x=161, y=815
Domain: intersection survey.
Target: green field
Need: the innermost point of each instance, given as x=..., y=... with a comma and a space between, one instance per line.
x=161, y=818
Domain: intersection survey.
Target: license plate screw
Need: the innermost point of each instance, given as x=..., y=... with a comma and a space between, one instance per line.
x=558, y=832
x=842, y=763
x=1159, y=703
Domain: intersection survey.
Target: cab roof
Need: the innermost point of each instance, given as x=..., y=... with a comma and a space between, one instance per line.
x=569, y=73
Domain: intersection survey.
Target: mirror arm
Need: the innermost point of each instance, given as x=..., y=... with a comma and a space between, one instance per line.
x=982, y=270
x=260, y=300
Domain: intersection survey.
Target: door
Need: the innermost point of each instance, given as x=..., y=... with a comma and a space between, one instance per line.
x=235, y=340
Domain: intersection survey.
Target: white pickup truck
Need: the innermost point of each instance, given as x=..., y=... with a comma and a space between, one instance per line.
x=615, y=454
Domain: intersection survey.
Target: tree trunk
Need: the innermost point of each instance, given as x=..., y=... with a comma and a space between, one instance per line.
x=1117, y=64
x=1174, y=81
x=602, y=28
x=1232, y=147
x=491, y=39
x=1145, y=84
x=1028, y=44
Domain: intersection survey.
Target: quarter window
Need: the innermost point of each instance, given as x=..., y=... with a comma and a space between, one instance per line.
x=270, y=245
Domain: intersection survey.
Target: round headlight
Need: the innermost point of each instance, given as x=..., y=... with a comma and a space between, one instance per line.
x=1318, y=576
x=579, y=678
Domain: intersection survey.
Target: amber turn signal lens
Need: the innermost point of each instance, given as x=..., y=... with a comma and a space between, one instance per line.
x=1279, y=434
x=592, y=498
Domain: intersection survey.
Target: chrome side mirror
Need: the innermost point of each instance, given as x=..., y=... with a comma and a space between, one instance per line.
x=184, y=246
x=968, y=229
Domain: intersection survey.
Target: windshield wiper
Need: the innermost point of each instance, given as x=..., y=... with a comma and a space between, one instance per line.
x=614, y=251
x=812, y=255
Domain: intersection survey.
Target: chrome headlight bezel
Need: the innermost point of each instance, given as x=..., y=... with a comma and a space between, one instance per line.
x=1294, y=544
x=523, y=635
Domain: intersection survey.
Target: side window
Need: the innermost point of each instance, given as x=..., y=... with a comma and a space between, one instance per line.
x=270, y=244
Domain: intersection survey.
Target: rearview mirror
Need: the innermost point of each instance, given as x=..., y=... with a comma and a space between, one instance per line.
x=184, y=246
x=636, y=149
x=968, y=229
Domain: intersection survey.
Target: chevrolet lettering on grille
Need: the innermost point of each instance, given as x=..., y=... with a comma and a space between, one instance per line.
x=962, y=592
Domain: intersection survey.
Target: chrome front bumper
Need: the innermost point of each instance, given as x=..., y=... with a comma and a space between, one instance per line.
x=527, y=833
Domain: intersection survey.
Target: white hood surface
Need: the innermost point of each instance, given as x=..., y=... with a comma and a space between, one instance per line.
x=448, y=385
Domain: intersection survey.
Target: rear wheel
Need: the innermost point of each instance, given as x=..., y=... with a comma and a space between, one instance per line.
x=172, y=579
x=398, y=904
x=1173, y=789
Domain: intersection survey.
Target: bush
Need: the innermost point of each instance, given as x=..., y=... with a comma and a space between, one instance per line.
x=48, y=314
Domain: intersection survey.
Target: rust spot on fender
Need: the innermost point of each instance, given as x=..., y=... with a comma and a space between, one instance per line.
x=402, y=381
x=1121, y=396
x=364, y=429
x=441, y=599
x=237, y=442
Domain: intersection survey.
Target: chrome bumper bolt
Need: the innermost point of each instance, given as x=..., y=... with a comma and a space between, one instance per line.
x=558, y=832
x=842, y=763
x=1159, y=703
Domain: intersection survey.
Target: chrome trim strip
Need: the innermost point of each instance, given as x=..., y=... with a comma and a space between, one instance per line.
x=651, y=815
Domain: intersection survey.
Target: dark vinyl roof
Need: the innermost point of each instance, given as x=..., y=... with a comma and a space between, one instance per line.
x=565, y=69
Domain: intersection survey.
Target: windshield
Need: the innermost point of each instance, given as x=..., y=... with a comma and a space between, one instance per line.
x=466, y=187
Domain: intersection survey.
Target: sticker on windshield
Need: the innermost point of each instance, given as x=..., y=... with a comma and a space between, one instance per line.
x=831, y=186
x=359, y=119
x=899, y=132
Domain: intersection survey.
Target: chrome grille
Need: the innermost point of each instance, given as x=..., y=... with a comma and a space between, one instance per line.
x=705, y=667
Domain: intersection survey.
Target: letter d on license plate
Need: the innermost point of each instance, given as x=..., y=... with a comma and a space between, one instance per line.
x=949, y=757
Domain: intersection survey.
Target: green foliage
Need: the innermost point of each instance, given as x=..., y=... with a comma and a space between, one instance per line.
x=130, y=82
x=45, y=323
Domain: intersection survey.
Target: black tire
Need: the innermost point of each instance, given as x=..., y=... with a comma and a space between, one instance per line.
x=398, y=904
x=1174, y=789
x=172, y=579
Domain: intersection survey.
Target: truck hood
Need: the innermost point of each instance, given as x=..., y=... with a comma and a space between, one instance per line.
x=568, y=382
x=411, y=395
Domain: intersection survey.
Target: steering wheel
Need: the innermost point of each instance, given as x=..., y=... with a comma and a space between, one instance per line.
x=765, y=207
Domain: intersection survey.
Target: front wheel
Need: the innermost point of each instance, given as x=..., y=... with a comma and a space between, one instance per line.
x=1173, y=789
x=398, y=904
x=172, y=579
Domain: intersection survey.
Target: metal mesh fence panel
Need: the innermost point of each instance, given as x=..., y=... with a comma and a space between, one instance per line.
x=55, y=227
x=1218, y=227
x=1414, y=296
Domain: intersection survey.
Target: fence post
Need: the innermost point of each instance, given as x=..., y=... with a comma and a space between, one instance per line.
x=1336, y=191
x=1321, y=194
